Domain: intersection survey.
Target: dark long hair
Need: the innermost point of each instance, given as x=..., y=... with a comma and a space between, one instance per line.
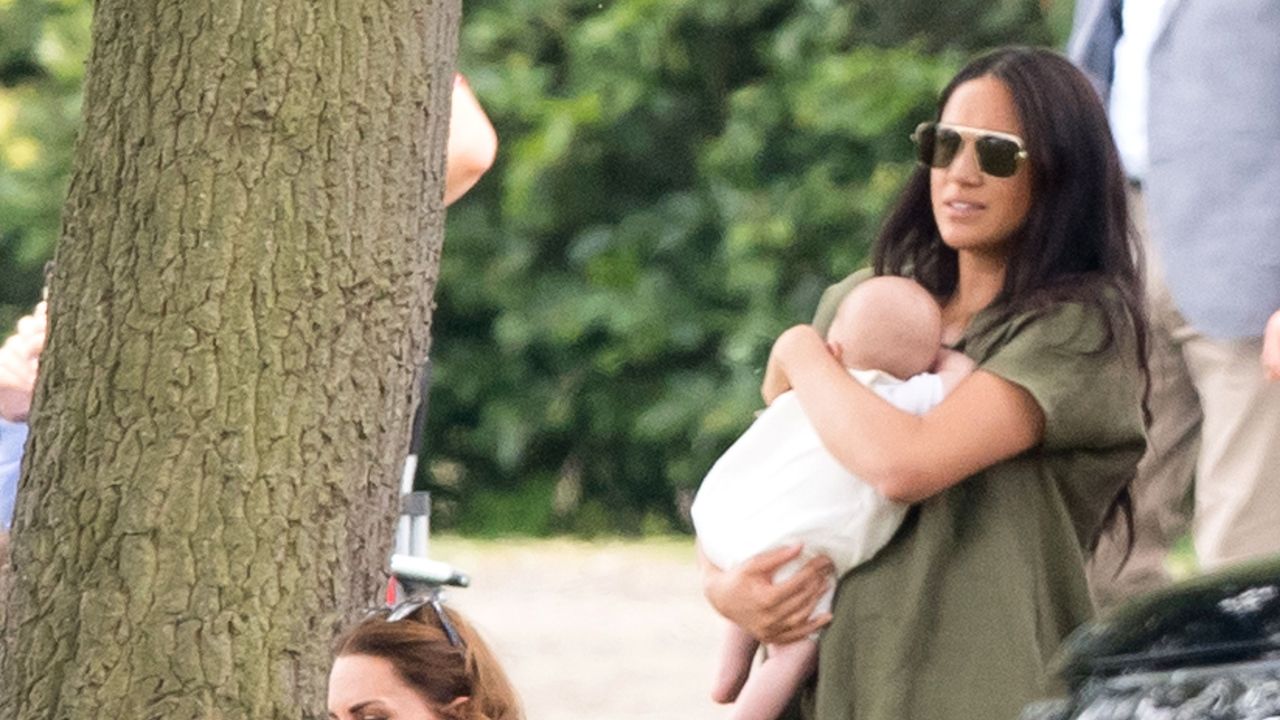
x=1076, y=242
x=425, y=659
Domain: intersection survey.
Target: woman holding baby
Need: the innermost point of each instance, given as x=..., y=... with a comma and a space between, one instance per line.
x=1016, y=221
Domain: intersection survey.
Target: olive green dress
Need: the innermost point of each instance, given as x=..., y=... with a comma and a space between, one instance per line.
x=958, y=616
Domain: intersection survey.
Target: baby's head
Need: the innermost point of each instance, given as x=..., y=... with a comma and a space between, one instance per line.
x=888, y=323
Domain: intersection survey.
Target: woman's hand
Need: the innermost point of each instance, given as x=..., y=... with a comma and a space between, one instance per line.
x=796, y=339
x=775, y=381
x=748, y=597
x=19, y=362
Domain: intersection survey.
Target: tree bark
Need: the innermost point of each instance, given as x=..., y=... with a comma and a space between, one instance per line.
x=241, y=302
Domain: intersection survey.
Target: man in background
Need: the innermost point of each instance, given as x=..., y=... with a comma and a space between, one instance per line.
x=1193, y=92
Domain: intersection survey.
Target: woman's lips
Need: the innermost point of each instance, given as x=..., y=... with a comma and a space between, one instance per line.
x=961, y=209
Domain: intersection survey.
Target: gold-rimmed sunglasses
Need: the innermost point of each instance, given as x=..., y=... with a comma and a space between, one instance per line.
x=999, y=154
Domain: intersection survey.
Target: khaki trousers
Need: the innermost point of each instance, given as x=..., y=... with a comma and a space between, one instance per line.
x=1215, y=421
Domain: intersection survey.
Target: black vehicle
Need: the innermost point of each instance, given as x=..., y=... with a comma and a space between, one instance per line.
x=1206, y=649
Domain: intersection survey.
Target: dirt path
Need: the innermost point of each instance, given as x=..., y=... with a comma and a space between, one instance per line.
x=593, y=631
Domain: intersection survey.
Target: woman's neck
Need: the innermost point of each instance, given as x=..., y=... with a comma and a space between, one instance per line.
x=979, y=280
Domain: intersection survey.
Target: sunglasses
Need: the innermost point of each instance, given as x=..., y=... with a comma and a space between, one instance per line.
x=406, y=608
x=999, y=154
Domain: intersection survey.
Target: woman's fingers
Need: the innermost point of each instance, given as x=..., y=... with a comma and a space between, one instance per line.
x=770, y=561
x=794, y=600
x=800, y=623
x=744, y=594
x=27, y=341
x=815, y=572
x=747, y=595
x=799, y=604
x=802, y=630
x=775, y=382
x=19, y=363
x=33, y=324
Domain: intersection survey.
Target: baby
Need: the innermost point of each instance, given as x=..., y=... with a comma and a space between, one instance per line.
x=777, y=485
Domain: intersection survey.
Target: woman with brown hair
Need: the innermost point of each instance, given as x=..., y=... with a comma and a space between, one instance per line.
x=430, y=664
x=1016, y=221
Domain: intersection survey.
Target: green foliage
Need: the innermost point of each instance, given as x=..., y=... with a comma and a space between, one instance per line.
x=677, y=182
x=43, y=44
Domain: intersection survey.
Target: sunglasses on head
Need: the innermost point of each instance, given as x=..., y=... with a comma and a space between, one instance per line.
x=999, y=154
x=406, y=608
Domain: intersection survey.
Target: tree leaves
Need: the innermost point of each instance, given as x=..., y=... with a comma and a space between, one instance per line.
x=676, y=183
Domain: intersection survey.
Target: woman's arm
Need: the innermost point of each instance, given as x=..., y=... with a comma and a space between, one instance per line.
x=19, y=361
x=472, y=144
x=906, y=457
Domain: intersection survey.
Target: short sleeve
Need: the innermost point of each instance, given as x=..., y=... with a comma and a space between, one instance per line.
x=831, y=298
x=1084, y=377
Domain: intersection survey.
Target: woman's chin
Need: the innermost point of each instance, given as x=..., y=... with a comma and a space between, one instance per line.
x=974, y=241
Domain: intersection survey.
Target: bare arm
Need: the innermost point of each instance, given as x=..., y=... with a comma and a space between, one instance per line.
x=472, y=144
x=906, y=457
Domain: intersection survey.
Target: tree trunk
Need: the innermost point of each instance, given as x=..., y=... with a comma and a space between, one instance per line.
x=240, y=304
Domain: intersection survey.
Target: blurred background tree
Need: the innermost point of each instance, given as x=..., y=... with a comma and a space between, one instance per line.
x=43, y=46
x=677, y=182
